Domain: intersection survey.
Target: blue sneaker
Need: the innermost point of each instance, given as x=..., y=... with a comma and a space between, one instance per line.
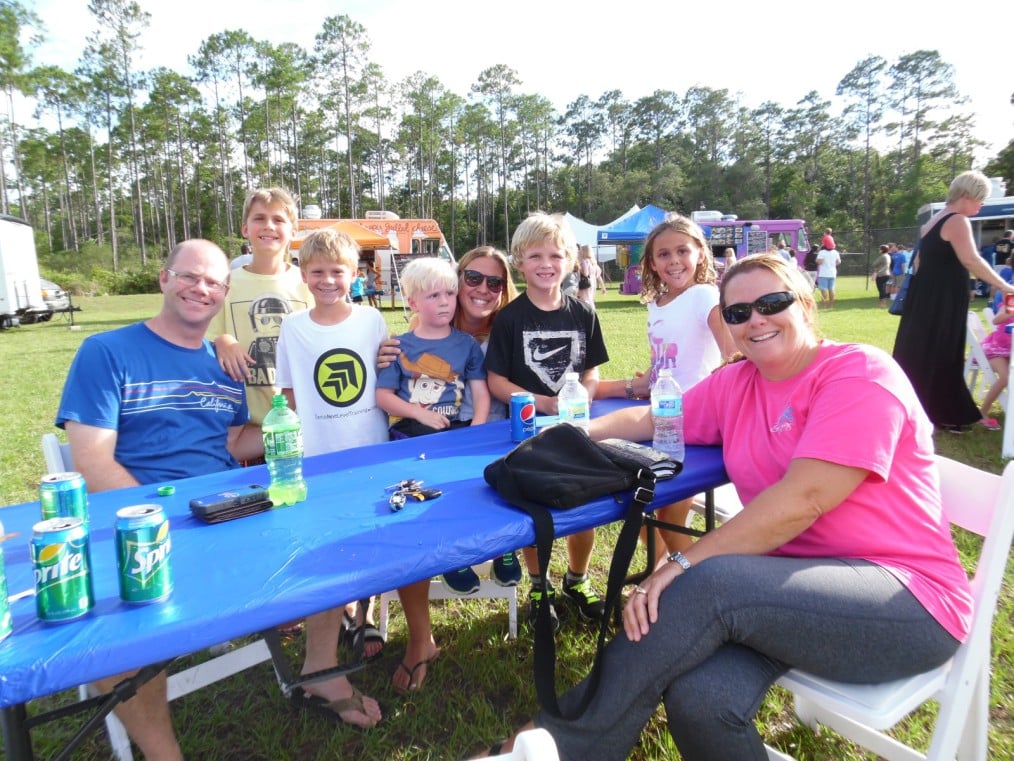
x=462, y=582
x=506, y=570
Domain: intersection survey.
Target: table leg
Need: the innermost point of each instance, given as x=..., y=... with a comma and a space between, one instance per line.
x=17, y=740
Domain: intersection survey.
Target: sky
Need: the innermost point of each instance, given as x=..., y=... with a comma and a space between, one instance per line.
x=778, y=51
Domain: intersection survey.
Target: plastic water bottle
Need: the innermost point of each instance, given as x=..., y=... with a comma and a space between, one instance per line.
x=572, y=402
x=283, y=452
x=667, y=416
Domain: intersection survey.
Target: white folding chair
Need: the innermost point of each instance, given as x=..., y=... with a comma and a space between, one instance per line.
x=977, y=370
x=488, y=590
x=979, y=502
x=532, y=745
x=727, y=503
x=58, y=459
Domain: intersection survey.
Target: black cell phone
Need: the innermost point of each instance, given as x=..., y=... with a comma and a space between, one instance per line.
x=235, y=503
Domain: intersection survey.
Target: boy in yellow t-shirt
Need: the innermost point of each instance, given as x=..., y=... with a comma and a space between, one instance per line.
x=261, y=294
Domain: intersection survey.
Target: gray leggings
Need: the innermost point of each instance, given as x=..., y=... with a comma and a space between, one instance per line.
x=727, y=629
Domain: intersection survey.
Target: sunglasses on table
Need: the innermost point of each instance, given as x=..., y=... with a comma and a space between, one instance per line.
x=767, y=305
x=474, y=278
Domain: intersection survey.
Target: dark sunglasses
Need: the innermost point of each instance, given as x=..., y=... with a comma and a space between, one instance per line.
x=767, y=305
x=474, y=279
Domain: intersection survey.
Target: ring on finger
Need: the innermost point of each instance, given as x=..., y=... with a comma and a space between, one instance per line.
x=640, y=590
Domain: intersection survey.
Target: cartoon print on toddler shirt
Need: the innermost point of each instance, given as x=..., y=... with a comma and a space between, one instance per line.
x=434, y=385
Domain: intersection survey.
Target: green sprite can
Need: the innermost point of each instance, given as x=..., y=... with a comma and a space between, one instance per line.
x=63, y=495
x=142, y=554
x=6, y=622
x=62, y=566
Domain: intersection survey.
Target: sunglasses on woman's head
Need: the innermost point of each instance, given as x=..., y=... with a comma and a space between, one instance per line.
x=474, y=279
x=767, y=305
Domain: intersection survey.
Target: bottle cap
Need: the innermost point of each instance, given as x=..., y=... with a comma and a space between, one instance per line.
x=166, y=491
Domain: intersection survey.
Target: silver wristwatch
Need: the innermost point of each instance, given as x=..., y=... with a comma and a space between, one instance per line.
x=678, y=557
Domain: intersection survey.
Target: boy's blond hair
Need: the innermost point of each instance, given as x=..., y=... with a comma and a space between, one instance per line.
x=330, y=246
x=538, y=228
x=268, y=196
x=428, y=273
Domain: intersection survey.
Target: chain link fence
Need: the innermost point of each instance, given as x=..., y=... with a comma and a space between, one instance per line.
x=857, y=258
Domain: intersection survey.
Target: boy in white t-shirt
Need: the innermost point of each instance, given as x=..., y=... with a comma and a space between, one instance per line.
x=333, y=332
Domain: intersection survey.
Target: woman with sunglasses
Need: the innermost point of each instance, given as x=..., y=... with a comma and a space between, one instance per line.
x=840, y=563
x=484, y=288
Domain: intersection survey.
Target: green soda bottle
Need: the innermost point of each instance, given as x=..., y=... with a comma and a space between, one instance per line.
x=283, y=452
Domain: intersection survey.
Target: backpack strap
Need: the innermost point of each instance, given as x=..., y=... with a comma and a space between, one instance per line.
x=545, y=643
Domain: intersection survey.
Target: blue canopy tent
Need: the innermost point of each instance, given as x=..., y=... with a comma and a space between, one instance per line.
x=635, y=228
x=632, y=230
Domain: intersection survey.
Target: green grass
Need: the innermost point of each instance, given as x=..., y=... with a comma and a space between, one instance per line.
x=481, y=689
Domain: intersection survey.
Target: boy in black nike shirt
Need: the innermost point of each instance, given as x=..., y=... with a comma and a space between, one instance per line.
x=535, y=341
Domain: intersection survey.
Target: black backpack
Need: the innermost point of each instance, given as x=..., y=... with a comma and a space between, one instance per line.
x=561, y=467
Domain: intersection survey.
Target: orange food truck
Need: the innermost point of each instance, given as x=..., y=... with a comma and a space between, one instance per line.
x=386, y=242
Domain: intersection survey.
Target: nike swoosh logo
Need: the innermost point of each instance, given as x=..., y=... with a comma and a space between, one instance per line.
x=538, y=356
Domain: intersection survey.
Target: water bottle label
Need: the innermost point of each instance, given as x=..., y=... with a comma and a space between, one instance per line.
x=669, y=406
x=283, y=443
x=574, y=411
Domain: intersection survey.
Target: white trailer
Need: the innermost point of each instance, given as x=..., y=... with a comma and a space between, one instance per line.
x=20, y=291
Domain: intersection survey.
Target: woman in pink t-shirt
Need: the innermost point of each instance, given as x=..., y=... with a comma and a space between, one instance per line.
x=841, y=562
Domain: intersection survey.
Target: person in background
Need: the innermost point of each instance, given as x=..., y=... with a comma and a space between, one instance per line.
x=783, y=251
x=1004, y=248
x=587, y=275
x=841, y=562
x=686, y=332
x=373, y=286
x=722, y=264
x=536, y=340
x=881, y=272
x=328, y=263
x=930, y=342
x=571, y=280
x=827, y=242
x=131, y=419
x=827, y=272
x=996, y=347
x=810, y=264
x=244, y=258
x=358, y=287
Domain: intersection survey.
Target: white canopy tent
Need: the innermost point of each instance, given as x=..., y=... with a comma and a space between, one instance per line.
x=587, y=235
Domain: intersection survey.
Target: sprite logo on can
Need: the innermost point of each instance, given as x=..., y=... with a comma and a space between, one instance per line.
x=63, y=584
x=143, y=549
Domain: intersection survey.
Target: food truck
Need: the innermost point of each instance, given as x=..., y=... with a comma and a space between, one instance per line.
x=751, y=236
x=386, y=242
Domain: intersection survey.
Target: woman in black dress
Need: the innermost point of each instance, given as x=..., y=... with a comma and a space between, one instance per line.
x=930, y=343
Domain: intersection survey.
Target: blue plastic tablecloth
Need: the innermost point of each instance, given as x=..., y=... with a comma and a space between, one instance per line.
x=243, y=576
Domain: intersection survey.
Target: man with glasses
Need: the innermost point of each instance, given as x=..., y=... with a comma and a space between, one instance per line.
x=148, y=402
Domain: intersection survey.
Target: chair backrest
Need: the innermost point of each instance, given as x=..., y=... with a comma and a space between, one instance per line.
x=975, y=359
x=57, y=455
x=982, y=503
